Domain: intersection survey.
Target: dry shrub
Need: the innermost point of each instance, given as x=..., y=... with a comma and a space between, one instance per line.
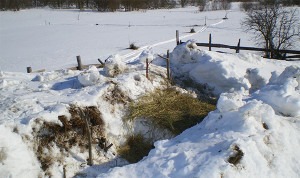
x=71, y=133
x=170, y=109
x=135, y=148
x=133, y=46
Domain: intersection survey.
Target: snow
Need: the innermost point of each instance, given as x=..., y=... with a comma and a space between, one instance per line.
x=258, y=107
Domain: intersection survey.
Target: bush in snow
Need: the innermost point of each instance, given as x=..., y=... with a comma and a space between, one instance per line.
x=114, y=66
x=90, y=76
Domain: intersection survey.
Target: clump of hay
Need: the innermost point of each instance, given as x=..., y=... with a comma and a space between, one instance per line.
x=170, y=109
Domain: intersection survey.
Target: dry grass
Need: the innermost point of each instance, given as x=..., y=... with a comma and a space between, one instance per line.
x=170, y=109
x=135, y=148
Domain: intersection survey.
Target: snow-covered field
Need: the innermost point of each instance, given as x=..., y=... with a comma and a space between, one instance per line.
x=51, y=39
x=254, y=132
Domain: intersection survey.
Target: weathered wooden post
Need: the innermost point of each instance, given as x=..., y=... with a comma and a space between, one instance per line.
x=79, y=67
x=64, y=171
x=205, y=21
x=238, y=47
x=177, y=37
x=147, y=68
x=84, y=117
x=29, y=69
x=209, y=47
x=168, y=65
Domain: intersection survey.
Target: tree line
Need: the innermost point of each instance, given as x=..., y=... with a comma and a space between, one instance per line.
x=110, y=5
x=101, y=5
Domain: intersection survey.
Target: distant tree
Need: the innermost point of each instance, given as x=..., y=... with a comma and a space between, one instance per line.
x=183, y=3
x=274, y=26
x=225, y=4
x=201, y=4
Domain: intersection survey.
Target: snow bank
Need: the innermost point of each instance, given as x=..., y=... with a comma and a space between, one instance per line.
x=16, y=159
x=249, y=126
x=283, y=92
x=90, y=76
x=269, y=144
x=222, y=72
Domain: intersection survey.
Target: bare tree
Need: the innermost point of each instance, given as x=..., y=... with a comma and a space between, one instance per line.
x=274, y=26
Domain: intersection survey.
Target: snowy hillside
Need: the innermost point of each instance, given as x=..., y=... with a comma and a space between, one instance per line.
x=254, y=131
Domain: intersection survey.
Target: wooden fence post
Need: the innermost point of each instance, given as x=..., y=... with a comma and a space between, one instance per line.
x=29, y=69
x=84, y=117
x=79, y=63
x=177, y=37
x=168, y=65
x=238, y=47
x=209, y=47
x=147, y=68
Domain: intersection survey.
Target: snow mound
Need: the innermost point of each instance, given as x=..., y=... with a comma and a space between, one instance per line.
x=114, y=66
x=262, y=137
x=220, y=71
x=90, y=76
x=148, y=53
x=16, y=160
x=283, y=92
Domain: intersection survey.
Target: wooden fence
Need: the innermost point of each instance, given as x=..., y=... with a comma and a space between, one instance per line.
x=237, y=48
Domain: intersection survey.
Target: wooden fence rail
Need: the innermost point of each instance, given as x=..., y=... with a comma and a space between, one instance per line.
x=244, y=48
x=237, y=48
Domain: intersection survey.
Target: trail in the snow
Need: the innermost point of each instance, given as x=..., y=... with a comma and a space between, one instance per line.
x=133, y=55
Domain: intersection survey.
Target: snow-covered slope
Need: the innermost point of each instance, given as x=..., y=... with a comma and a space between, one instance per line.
x=254, y=135
x=248, y=135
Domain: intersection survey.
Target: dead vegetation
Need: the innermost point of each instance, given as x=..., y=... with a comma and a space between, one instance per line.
x=72, y=133
x=133, y=46
x=135, y=148
x=237, y=156
x=170, y=109
x=116, y=96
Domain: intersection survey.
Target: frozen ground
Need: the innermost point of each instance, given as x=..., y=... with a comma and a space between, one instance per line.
x=254, y=132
